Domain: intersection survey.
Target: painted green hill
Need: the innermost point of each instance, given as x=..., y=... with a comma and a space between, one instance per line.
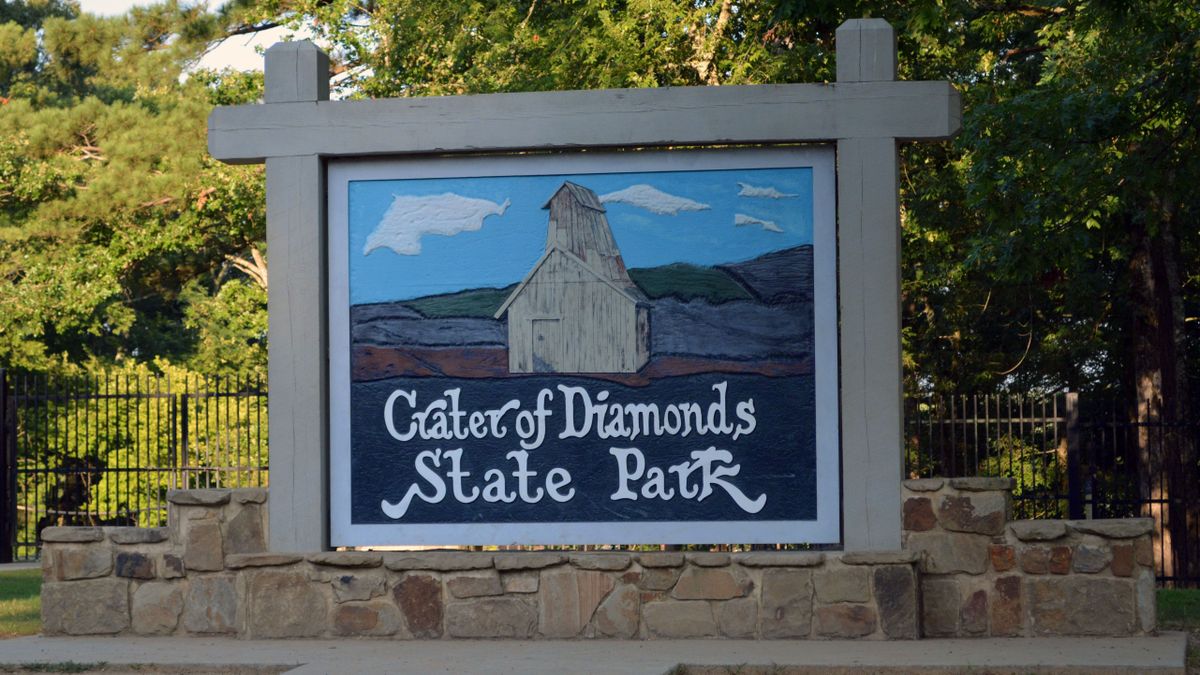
x=685, y=281
x=682, y=281
x=476, y=302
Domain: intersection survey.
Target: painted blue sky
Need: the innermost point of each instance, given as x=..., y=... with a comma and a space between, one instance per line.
x=457, y=233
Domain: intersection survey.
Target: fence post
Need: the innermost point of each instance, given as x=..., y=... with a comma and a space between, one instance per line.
x=1074, y=448
x=8, y=473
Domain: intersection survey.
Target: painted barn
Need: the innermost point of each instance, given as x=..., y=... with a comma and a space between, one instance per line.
x=577, y=311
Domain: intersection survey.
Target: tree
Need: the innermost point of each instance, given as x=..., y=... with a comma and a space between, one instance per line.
x=109, y=204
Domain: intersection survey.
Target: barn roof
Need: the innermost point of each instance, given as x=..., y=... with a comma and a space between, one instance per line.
x=630, y=291
x=582, y=195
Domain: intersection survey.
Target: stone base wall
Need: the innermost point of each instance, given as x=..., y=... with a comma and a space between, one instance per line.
x=982, y=575
x=208, y=573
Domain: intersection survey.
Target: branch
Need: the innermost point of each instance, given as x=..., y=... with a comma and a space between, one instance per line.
x=246, y=29
x=1008, y=54
x=256, y=269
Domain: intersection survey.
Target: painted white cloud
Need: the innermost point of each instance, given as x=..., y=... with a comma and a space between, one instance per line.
x=410, y=218
x=653, y=200
x=741, y=219
x=748, y=190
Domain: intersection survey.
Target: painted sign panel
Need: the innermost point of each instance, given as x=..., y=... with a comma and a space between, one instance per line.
x=600, y=348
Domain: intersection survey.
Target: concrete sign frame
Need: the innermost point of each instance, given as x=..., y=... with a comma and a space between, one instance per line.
x=298, y=131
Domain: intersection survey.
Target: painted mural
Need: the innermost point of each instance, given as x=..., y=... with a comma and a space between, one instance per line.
x=616, y=347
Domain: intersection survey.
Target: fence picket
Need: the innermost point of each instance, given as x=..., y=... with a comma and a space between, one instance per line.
x=104, y=448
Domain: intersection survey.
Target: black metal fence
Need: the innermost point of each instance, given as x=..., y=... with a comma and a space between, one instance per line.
x=1070, y=456
x=104, y=448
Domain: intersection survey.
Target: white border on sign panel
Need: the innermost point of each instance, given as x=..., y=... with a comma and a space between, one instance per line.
x=825, y=529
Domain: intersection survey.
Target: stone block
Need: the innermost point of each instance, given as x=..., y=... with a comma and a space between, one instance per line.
x=981, y=513
x=619, y=616
x=779, y=559
x=1123, y=562
x=973, y=617
x=896, y=598
x=71, y=535
x=198, y=497
x=527, y=561
x=843, y=584
x=138, y=535
x=210, y=605
x=419, y=597
x=1143, y=551
x=1006, y=607
x=659, y=578
x=520, y=582
x=568, y=598
x=845, y=621
x=903, y=557
x=348, y=559
x=1114, y=528
x=708, y=559
x=203, y=551
x=82, y=562
x=239, y=561
x=156, y=608
x=366, y=619
x=738, y=618
x=491, y=618
x=1060, y=559
x=786, y=603
x=918, y=514
x=437, y=561
x=1082, y=606
x=90, y=607
x=1147, y=601
x=983, y=484
x=940, y=605
x=283, y=604
x=660, y=559
x=249, y=495
x=679, y=619
x=711, y=583
x=357, y=586
x=135, y=566
x=172, y=566
x=1038, y=530
x=1003, y=557
x=613, y=561
x=924, y=484
x=475, y=584
x=1091, y=559
x=950, y=552
x=244, y=531
x=1035, y=560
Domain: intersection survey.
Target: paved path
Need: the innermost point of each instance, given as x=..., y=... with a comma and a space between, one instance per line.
x=1154, y=655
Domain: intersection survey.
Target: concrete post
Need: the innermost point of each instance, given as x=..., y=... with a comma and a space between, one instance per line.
x=298, y=319
x=869, y=301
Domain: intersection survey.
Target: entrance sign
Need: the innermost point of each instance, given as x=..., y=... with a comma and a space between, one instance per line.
x=304, y=140
x=612, y=347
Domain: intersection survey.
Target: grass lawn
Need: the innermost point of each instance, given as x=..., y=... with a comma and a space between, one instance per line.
x=20, y=604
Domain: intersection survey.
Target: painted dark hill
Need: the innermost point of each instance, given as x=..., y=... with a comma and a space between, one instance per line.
x=734, y=314
x=778, y=276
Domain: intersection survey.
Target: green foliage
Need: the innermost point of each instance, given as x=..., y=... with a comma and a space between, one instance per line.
x=110, y=208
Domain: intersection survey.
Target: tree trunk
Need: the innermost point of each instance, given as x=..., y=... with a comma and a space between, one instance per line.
x=1167, y=471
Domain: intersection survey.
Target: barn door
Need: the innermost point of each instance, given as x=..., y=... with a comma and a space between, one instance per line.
x=547, y=345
